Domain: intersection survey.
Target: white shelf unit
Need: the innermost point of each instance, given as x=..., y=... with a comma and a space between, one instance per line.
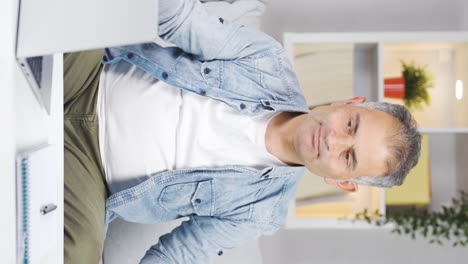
x=367, y=77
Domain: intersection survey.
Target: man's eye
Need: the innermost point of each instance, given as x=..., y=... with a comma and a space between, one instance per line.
x=349, y=126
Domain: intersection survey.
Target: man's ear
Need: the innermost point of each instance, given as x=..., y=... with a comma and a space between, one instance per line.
x=348, y=186
x=354, y=100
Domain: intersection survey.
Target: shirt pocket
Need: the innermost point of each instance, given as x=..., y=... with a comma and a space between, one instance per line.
x=211, y=71
x=189, y=198
x=271, y=75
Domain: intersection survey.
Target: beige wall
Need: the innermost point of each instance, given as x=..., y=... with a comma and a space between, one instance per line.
x=325, y=71
x=461, y=73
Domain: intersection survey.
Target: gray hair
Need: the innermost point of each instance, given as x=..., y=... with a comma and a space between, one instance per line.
x=404, y=147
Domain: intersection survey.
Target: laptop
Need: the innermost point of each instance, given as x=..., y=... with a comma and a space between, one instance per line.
x=38, y=73
x=57, y=26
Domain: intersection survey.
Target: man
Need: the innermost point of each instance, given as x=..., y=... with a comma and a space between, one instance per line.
x=227, y=149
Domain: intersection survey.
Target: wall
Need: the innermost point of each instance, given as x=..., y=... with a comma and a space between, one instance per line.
x=445, y=63
x=461, y=143
x=354, y=246
x=363, y=15
x=372, y=246
x=460, y=73
x=126, y=243
x=463, y=14
x=444, y=161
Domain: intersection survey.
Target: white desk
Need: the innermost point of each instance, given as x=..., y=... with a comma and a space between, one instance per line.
x=8, y=17
x=26, y=125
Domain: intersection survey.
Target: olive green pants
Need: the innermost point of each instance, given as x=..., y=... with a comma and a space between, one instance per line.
x=85, y=190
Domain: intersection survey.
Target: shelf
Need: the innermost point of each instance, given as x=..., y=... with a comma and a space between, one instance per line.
x=318, y=223
x=438, y=130
x=417, y=187
x=329, y=207
x=337, y=66
x=449, y=169
x=329, y=72
x=325, y=71
x=446, y=62
x=367, y=70
x=316, y=199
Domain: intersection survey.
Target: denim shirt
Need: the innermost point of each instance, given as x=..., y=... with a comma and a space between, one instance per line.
x=227, y=206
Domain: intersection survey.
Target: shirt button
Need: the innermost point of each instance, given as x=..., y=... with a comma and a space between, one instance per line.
x=176, y=52
x=105, y=58
x=203, y=92
x=220, y=253
x=197, y=200
x=221, y=20
x=147, y=46
x=269, y=108
x=165, y=75
x=207, y=70
x=242, y=106
x=266, y=176
x=130, y=55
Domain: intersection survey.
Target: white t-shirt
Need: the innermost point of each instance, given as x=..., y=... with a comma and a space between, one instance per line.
x=146, y=126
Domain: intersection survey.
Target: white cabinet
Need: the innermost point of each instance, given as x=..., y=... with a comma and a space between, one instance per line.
x=34, y=127
x=337, y=66
x=32, y=28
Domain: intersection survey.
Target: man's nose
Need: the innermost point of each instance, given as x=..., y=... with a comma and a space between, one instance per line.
x=337, y=141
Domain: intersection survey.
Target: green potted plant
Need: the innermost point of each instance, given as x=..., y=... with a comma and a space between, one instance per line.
x=449, y=225
x=411, y=87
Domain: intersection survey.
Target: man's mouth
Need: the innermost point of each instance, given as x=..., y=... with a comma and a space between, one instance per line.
x=317, y=134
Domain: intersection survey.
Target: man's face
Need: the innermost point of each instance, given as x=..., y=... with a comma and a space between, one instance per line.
x=345, y=141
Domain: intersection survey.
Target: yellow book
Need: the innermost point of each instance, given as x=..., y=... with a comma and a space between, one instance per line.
x=326, y=210
x=416, y=189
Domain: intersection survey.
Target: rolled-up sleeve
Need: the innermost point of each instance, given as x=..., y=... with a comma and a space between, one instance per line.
x=186, y=24
x=197, y=240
